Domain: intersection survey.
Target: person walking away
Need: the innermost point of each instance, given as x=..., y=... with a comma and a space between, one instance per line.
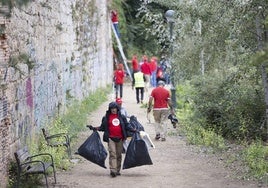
x=115, y=20
x=159, y=74
x=162, y=107
x=115, y=127
x=146, y=70
x=122, y=109
x=119, y=75
x=139, y=82
x=164, y=66
x=135, y=64
x=153, y=67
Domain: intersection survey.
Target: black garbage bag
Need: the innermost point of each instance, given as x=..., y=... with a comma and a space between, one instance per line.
x=135, y=124
x=137, y=153
x=93, y=150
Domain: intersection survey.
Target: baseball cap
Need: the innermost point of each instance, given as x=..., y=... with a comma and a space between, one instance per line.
x=118, y=100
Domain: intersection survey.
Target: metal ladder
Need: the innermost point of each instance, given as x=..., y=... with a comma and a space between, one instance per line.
x=122, y=52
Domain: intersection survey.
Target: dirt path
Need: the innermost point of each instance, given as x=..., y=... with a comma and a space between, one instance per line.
x=174, y=163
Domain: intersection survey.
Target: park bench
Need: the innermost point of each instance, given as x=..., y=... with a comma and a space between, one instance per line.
x=57, y=140
x=33, y=164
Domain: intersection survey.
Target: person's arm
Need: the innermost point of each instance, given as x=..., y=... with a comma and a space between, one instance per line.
x=150, y=104
x=144, y=79
x=133, y=81
x=100, y=128
x=172, y=111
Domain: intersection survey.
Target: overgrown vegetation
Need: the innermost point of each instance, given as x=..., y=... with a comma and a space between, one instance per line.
x=200, y=132
x=22, y=58
x=10, y=4
x=255, y=157
x=72, y=122
x=219, y=59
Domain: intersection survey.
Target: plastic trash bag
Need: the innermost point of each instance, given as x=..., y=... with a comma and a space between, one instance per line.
x=126, y=143
x=93, y=150
x=137, y=153
x=144, y=136
x=135, y=124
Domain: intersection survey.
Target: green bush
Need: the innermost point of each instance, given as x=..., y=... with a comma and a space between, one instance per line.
x=255, y=156
x=200, y=131
x=233, y=105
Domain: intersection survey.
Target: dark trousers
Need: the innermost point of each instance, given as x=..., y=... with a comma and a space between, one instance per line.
x=139, y=90
x=119, y=88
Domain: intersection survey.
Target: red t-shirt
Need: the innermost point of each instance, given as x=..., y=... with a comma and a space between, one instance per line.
x=153, y=65
x=119, y=76
x=161, y=96
x=135, y=64
x=114, y=17
x=115, y=129
x=145, y=68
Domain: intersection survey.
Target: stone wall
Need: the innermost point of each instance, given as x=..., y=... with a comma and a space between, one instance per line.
x=51, y=51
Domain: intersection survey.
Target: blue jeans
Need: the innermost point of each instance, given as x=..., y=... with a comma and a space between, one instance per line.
x=153, y=79
x=116, y=27
x=119, y=88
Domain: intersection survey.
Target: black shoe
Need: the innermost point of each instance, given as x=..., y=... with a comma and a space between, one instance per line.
x=113, y=174
x=157, y=137
x=118, y=173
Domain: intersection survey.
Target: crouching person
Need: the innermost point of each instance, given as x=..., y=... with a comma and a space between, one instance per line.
x=115, y=127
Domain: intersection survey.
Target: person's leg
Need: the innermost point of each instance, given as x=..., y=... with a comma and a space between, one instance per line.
x=121, y=90
x=153, y=79
x=112, y=157
x=116, y=27
x=142, y=93
x=116, y=90
x=119, y=150
x=163, y=123
x=157, y=125
x=137, y=95
x=147, y=81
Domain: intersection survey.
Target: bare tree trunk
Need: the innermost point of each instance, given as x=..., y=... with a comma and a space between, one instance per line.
x=264, y=78
x=260, y=41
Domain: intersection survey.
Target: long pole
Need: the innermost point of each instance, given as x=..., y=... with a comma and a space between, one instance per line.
x=173, y=88
x=122, y=52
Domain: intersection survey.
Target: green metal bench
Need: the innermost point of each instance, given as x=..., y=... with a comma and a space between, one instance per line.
x=33, y=164
x=57, y=140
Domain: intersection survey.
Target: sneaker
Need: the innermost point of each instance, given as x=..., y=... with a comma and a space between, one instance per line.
x=163, y=139
x=157, y=137
x=113, y=174
x=118, y=173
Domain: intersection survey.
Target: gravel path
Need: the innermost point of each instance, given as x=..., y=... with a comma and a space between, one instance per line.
x=174, y=163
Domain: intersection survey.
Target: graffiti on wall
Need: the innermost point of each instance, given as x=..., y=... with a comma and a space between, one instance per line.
x=3, y=107
x=45, y=95
x=29, y=93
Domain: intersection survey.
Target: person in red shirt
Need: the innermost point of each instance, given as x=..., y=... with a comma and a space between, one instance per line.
x=153, y=66
x=119, y=75
x=161, y=109
x=115, y=127
x=114, y=18
x=135, y=63
x=146, y=70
